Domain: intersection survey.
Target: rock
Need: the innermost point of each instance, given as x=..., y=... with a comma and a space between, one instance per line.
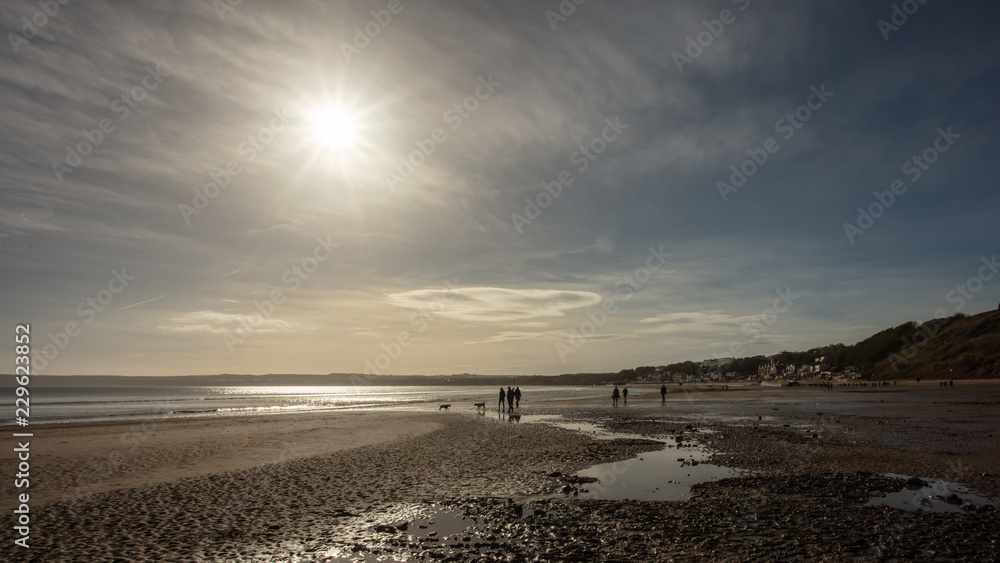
x=385, y=529
x=953, y=499
x=915, y=483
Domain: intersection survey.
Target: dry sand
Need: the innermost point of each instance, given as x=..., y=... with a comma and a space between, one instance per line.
x=306, y=487
x=71, y=461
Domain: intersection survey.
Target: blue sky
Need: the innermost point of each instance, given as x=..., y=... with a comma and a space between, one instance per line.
x=381, y=158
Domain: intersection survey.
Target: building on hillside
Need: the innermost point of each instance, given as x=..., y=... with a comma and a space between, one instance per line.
x=768, y=370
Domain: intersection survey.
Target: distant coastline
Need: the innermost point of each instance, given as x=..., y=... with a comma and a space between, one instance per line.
x=297, y=379
x=957, y=347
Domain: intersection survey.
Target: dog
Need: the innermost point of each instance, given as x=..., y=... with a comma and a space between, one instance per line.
x=480, y=406
x=444, y=407
x=514, y=418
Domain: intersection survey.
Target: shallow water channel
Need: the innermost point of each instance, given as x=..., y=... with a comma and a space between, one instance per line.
x=934, y=496
x=665, y=474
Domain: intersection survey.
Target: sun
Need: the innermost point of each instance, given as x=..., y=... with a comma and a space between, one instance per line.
x=335, y=128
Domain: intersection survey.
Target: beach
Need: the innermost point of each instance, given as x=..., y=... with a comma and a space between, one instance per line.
x=344, y=486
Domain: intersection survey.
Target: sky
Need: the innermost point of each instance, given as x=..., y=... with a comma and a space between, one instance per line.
x=408, y=187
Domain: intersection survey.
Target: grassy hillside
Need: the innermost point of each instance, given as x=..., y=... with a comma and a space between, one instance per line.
x=957, y=347
x=964, y=348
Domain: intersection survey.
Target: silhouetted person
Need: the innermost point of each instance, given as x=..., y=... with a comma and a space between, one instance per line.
x=663, y=393
x=625, y=395
x=614, y=397
x=502, y=395
x=510, y=399
x=517, y=397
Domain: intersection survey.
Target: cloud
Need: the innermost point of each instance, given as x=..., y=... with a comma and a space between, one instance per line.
x=509, y=336
x=213, y=322
x=494, y=304
x=698, y=321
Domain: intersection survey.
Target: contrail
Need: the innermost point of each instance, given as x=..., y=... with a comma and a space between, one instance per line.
x=229, y=274
x=141, y=302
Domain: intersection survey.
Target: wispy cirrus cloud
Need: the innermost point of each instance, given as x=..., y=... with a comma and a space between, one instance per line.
x=494, y=304
x=698, y=321
x=514, y=336
x=214, y=322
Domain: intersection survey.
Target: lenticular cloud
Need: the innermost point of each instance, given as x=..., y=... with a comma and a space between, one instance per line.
x=493, y=304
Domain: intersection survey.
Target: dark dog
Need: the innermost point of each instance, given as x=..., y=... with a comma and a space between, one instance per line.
x=444, y=407
x=480, y=406
x=514, y=418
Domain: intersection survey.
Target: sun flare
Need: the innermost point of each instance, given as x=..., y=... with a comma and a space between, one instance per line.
x=335, y=128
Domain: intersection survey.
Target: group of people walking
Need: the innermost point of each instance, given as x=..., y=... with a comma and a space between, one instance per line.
x=615, y=394
x=512, y=398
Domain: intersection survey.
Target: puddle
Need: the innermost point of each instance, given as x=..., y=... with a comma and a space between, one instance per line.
x=592, y=430
x=666, y=474
x=661, y=475
x=404, y=531
x=934, y=496
x=598, y=432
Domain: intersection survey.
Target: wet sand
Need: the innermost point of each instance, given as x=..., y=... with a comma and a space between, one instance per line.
x=348, y=486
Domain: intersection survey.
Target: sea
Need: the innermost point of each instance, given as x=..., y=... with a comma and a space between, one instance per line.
x=96, y=404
